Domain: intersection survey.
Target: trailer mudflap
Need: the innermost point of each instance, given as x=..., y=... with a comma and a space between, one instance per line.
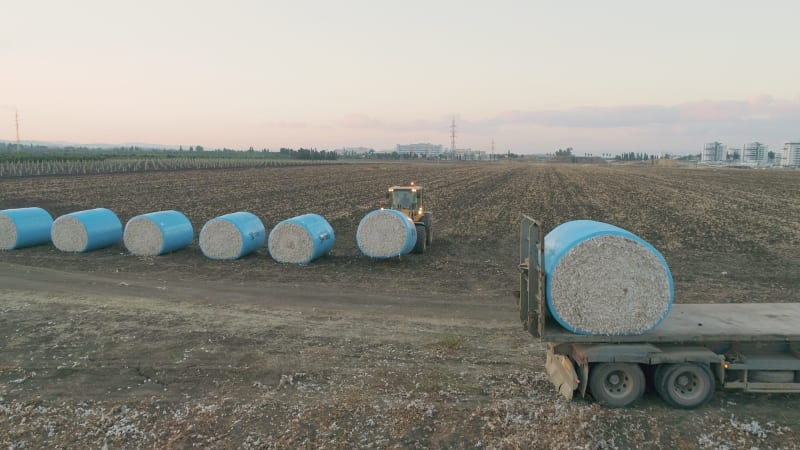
x=561, y=373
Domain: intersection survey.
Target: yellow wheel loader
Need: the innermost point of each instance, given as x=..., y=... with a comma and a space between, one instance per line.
x=409, y=200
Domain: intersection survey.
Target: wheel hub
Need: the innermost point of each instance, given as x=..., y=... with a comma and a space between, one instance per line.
x=616, y=383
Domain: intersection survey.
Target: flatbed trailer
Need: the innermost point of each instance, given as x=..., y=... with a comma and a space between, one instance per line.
x=753, y=347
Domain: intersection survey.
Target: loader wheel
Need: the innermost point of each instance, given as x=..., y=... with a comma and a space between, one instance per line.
x=685, y=385
x=616, y=385
x=422, y=240
x=428, y=228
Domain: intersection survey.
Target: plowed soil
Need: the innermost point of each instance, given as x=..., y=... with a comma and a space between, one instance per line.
x=422, y=351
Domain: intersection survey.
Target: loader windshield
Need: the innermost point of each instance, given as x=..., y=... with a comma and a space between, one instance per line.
x=404, y=199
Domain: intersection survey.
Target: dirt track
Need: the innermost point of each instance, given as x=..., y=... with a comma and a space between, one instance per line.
x=177, y=351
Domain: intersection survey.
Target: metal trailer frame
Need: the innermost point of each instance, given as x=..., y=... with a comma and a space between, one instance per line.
x=742, y=344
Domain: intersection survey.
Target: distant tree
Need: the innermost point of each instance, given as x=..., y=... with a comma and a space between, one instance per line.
x=562, y=153
x=199, y=148
x=771, y=155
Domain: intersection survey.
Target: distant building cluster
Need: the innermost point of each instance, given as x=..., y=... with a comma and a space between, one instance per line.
x=752, y=154
x=420, y=150
x=412, y=151
x=432, y=151
x=355, y=151
x=468, y=154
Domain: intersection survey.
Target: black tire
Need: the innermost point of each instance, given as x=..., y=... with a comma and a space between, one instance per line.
x=428, y=228
x=616, y=385
x=658, y=378
x=422, y=240
x=686, y=385
x=771, y=376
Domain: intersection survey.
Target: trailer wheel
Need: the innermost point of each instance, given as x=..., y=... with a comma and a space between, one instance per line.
x=685, y=385
x=658, y=377
x=616, y=385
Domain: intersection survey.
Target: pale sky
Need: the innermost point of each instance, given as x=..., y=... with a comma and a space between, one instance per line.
x=534, y=76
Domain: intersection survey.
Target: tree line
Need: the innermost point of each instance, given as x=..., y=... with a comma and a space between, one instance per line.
x=30, y=152
x=309, y=154
x=633, y=156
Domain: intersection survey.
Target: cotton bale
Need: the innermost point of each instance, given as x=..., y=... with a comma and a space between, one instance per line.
x=88, y=230
x=232, y=236
x=24, y=227
x=386, y=233
x=157, y=233
x=301, y=239
x=604, y=280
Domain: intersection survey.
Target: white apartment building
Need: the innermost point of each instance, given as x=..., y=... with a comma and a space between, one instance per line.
x=754, y=153
x=713, y=152
x=791, y=154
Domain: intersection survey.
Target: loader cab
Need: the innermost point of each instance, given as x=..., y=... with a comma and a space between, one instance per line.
x=407, y=199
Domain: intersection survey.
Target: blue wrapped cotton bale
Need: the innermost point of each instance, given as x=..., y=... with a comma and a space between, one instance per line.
x=301, y=239
x=157, y=233
x=604, y=280
x=85, y=231
x=24, y=227
x=386, y=233
x=232, y=236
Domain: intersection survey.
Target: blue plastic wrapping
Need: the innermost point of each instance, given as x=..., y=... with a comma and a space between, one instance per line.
x=564, y=237
x=32, y=227
x=176, y=229
x=411, y=234
x=103, y=227
x=319, y=231
x=250, y=227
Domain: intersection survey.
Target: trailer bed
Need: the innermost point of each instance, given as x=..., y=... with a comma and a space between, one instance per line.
x=688, y=323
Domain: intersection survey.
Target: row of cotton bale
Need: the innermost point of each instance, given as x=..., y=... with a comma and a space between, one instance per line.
x=298, y=240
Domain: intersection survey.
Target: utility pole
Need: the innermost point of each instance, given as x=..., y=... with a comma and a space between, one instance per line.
x=492, y=158
x=453, y=138
x=16, y=120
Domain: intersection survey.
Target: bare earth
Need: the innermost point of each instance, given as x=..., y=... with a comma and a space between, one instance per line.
x=425, y=351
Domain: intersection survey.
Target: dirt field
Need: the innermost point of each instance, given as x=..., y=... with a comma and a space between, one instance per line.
x=424, y=351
